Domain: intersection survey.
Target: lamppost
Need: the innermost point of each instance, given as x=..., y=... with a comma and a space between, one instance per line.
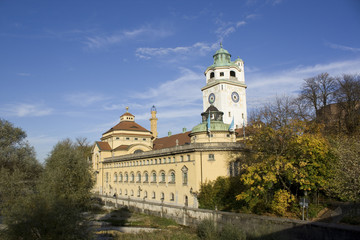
x=304, y=203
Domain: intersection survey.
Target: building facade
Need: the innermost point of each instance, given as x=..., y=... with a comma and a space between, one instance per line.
x=132, y=162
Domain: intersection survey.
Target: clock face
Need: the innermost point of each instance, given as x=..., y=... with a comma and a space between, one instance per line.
x=235, y=97
x=211, y=98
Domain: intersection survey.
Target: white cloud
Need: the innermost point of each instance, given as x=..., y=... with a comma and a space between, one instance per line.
x=197, y=48
x=26, y=110
x=85, y=99
x=342, y=47
x=226, y=28
x=241, y=23
x=263, y=86
x=105, y=40
x=183, y=91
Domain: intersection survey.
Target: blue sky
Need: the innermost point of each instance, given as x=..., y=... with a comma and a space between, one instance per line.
x=69, y=68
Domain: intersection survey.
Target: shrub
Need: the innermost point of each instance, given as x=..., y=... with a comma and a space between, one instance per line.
x=231, y=232
x=206, y=230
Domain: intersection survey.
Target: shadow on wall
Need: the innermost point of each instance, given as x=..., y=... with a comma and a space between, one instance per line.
x=259, y=227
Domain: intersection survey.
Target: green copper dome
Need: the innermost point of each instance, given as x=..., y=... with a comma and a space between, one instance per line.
x=222, y=58
x=215, y=126
x=216, y=122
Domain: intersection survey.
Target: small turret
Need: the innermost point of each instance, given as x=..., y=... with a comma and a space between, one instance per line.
x=153, y=122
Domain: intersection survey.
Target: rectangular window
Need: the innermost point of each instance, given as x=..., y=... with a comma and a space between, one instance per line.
x=221, y=74
x=181, y=158
x=127, y=138
x=144, y=139
x=211, y=157
x=135, y=138
x=185, y=178
x=188, y=157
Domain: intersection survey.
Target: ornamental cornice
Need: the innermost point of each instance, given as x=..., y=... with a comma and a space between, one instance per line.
x=219, y=81
x=194, y=147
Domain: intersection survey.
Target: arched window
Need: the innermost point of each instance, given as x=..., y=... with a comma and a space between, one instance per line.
x=172, y=197
x=186, y=202
x=153, y=195
x=146, y=177
x=162, y=177
x=145, y=194
x=172, y=177
x=132, y=179
x=125, y=192
x=162, y=196
x=212, y=74
x=138, y=193
x=126, y=177
x=153, y=177
x=138, y=180
x=120, y=192
x=115, y=177
x=132, y=192
x=120, y=177
x=232, y=74
x=138, y=151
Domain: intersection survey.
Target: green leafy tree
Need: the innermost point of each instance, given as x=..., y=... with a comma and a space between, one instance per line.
x=19, y=169
x=220, y=194
x=63, y=193
x=67, y=174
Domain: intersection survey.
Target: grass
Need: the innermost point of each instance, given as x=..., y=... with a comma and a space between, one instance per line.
x=166, y=229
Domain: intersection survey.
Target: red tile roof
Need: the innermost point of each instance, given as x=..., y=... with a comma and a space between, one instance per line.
x=127, y=114
x=170, y=141
x=103, y=146
x=122, y=147
x=128, y=125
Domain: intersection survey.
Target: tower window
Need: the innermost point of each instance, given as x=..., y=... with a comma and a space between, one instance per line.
x=221, y=74
x=212, y=75
x=232, y=74
x=229, y=114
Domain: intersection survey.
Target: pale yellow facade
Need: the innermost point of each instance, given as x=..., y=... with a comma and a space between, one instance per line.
x=131, y=162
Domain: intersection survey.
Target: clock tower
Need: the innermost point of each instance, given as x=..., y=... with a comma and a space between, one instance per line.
x=225, y=88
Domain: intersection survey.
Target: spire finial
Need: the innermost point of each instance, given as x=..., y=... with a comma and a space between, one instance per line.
x=221, y=45
x=127, y=109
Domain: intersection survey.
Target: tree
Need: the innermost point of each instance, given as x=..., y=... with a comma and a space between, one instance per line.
x=288, y=156
x=220, y=194
x=19, y=169
x=63, y=193
x=318, y=91
x=67, y=174
x=347, y=96
x=345, y=183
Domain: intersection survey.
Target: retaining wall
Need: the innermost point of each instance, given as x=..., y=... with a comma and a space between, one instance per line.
x=256, y=227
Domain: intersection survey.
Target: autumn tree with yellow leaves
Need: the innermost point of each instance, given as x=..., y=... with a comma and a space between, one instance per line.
x=288, y=157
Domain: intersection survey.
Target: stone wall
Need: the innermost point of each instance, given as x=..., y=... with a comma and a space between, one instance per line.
x=257, y=227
